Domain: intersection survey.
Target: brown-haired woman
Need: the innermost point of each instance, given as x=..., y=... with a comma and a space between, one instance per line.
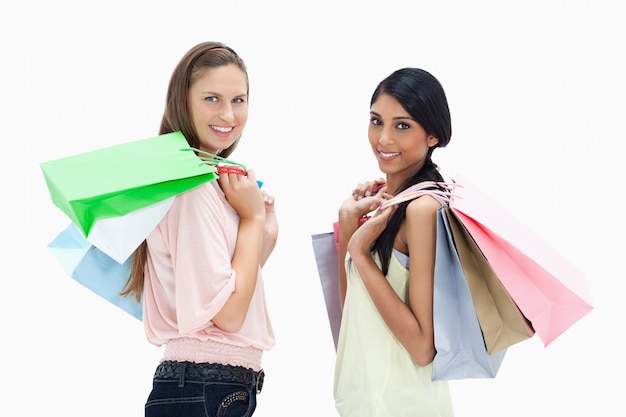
x=199, y=271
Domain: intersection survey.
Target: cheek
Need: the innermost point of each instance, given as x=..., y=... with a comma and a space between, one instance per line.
x=242, y=116
x=197, y=114
x=373, y=136
x=422, y=150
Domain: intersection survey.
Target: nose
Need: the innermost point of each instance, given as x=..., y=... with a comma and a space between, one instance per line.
x=227, y=113
x=386, y=137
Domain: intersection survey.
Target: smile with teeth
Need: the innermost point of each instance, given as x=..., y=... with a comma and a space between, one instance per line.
x=222, y=129
x=388, y=155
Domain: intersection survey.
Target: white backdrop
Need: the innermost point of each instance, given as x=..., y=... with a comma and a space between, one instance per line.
x=537, y=99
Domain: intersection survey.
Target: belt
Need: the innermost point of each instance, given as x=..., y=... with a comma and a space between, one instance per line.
x=213, y=371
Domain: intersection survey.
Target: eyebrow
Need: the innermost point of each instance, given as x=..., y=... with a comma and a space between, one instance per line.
x=214, y=93
x=394, y=118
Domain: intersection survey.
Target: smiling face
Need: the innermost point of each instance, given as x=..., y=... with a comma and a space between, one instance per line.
x=218, y=102
x=400, y=143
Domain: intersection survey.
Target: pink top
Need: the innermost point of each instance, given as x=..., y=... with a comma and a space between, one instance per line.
x=188, y=279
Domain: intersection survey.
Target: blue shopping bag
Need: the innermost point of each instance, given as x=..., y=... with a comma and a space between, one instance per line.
x=461, y=350
x=94, y=269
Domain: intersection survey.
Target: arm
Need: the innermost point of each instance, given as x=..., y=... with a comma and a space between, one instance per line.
x=244, y=196
x=348, y=224
x=270, y=231
x=353, y=208
x=413, y=326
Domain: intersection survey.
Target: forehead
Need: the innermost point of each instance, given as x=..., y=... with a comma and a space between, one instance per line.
x=226, y=79
x=386, y=104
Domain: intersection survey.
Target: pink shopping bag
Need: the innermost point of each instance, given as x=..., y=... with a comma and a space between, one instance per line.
x=549, y=290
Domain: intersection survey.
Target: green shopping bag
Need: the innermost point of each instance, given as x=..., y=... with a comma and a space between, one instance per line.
x=117, y=180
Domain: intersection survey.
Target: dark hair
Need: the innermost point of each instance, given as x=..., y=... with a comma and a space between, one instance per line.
x=423, y=97
x=177, y=117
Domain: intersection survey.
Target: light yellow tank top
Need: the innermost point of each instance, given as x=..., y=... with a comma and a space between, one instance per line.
x=374, y=374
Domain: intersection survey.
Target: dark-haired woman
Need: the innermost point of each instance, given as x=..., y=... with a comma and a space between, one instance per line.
x=386, y=342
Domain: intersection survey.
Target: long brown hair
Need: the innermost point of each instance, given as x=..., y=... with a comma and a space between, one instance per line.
x=177, y=117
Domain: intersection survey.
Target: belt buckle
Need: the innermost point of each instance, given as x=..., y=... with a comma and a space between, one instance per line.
x=260, y=376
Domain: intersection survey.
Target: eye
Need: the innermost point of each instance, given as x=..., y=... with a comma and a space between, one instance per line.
x=375, y=121
x=239, y=100
x=403, y=126
x=212, y=99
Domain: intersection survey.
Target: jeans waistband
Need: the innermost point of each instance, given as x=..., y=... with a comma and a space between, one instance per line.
x=210, y=371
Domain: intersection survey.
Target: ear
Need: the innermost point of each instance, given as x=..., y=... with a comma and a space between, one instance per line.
x=431, y=141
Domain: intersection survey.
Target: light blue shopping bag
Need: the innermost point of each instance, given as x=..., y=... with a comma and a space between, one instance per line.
x=461, y=350
x=94, y=269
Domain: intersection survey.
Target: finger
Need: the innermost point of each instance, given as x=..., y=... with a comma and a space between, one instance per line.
x=377, y=202
x=358, y=191
x=251, y=175
x=386, y=212
x=223, y=178
x=380, y=190
x=375, y=187
x=267, y=198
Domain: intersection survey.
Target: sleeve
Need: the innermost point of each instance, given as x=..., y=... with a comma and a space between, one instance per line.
x=202, y=249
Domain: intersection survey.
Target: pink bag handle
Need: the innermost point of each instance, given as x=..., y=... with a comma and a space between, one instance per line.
x=442, y=195
x=423, y=188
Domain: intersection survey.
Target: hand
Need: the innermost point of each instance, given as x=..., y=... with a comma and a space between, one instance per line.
x=362, y=239
x=369, y=188
x=243, y=194
x=270, y=229
x=365, y=198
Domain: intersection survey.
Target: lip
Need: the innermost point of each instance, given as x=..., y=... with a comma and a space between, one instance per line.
x=223, y=131
x=387, y=156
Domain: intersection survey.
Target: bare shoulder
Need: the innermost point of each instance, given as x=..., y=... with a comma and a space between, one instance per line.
x=421, y=229
x=424, y=207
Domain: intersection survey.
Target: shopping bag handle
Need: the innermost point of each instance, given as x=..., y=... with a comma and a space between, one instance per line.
x=442, y=193
x=218, y=161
